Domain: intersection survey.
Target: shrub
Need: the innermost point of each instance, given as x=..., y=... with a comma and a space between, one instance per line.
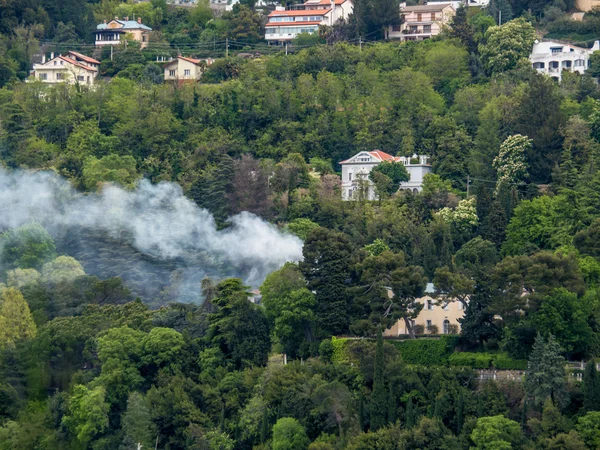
x=340, y=353
x=500, y=361
x=433, y=329
x=326, y=350
x=419, y=329
x=504, y=362
x=428, y=352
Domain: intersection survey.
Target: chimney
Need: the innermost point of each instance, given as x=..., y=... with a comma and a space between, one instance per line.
x=43, y=58
x=51, y=55
x=116, y=17
x=139, y=20
x=126, y=18
x=104, y=21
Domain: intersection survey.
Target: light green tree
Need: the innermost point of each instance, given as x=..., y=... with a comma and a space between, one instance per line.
x=87, y=415
x=496, y=433
x=137, y=423
x=63, y=268
x=109, y=169
x=28, y=246
x=19, y=278
x=16, y=322
x=589, y=429
x=507, y=46
x=288, y=434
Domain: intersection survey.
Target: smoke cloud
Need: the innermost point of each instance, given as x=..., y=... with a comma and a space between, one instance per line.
x=150, y=233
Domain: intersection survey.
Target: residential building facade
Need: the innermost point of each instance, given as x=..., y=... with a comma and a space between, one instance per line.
x=553, y=57
x=72, y=68
x=422, y=21
x=286, y=24
x=185, y=69
x=587, y=5
x=355, y=173
x=443, y=317
x=114, y=32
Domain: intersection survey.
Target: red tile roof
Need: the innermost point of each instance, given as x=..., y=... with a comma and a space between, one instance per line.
x=84, y=57
x=383, y=156
x=78, y=64
x=302, y=12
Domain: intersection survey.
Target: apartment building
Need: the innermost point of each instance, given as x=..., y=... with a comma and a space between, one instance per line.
x=422, y=21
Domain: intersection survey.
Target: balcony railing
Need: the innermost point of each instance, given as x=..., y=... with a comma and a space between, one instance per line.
x=417, y=31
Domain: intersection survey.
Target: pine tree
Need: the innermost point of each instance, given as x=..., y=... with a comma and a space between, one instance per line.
x=460, y=412
x=361, y=412
x=462, y=29
x=378, y=402
x=591, y=387
x=264, y=429
x=137, y=423
x=524, y=413
x=545, y=377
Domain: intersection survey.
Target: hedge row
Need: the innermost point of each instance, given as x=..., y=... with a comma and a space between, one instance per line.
x=427, y=352
x=500, y=361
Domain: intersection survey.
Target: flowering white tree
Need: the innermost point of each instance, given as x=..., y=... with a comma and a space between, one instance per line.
x=463, y=217
x=511, y=163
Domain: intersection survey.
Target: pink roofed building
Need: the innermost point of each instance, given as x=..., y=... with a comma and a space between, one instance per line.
x=355, y=171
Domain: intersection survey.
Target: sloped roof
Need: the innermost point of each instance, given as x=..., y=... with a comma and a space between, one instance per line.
x=426, y=8
x=377, y=154
x=78, y=64
x=290, y=24
x=126, y=25
x=84, y=57
x=301, y=12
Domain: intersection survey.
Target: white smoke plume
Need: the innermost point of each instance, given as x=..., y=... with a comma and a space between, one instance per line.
x=156, y=219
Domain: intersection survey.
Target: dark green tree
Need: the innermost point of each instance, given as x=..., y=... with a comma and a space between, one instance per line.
x=326, y=267
x=591, y=387
x=460, y=412
x=378, y=400
x=545, y=377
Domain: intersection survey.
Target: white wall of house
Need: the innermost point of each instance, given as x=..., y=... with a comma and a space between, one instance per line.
x=360, y=165
x=59, y=71
x=552, y=58
x=422, y=22
x=181, y=69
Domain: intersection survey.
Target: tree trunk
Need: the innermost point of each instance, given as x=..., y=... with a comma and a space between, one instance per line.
x=409, y=328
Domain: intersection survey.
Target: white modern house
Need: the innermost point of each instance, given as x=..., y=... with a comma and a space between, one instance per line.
x=285, y=24
x=552, y=57
x=356, y=171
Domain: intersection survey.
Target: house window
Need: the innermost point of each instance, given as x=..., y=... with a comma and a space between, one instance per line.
x=80, y=78
x=429, y=305
x=54, y=62
x=413, y=28
x=432, y=16
x=43, y=76
x=171, y=73
x=59, y=76
x=144, y=38
x=396, y=28
x=350, y=176
x=426, y=28
x=446, y=326
x=186, y=72
x=579, y=63
x=419, y=17
x=556, y=50
x=446, y=306
x=428, y=324
x=540, y=65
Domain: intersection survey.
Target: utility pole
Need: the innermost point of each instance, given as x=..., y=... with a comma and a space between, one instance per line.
x=111, y=52
x=360, y=43
x=226, y=47
x=500, y=17
x=286, y=48
x=468, y=184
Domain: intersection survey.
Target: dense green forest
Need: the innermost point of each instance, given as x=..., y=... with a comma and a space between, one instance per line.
x=99, y=347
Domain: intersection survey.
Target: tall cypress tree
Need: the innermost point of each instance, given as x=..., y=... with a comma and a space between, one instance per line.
x=524, y=414
x=392, y=407
x=460, y=412
x=409, y=419
x=361, y=412
x=378, y=403
x=591, y=387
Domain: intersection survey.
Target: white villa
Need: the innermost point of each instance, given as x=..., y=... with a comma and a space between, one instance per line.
x=552, y=57
x=357, y=168
x=72, y=68
x=285, y=24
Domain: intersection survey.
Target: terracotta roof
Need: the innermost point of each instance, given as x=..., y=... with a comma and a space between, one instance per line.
x=291, y=24
x=381, y=156
x=84, y=57
x=302, y=12
x=425, y=8
x=192, y=60
x=78, y=64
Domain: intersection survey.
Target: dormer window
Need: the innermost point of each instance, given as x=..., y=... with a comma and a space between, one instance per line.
x=556, y=50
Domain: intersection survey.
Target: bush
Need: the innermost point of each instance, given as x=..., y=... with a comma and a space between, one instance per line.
x=500, y=361
x=419, y=329
x=428, y=352
x=326, y=350
x=433, y=329
x=340, y=353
